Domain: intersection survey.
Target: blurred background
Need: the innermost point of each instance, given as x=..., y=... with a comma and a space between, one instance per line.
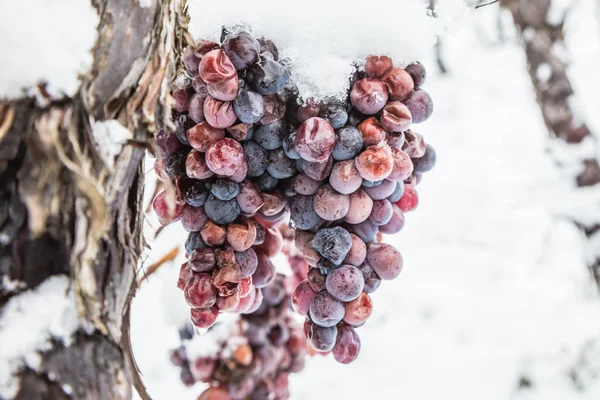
x=499, y=294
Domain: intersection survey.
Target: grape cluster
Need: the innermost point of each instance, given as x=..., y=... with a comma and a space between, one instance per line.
x=255, y=360
x=248, y=155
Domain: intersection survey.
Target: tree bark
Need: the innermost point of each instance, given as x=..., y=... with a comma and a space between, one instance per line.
x=543, y=42
x=68, y=208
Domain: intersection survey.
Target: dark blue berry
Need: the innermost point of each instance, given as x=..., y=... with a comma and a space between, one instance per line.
x=335, y=114
x=333, y=243
x=289, y=146
x=195, y=194
x=266, y=182
x=280, y=166
x=302, y=212
x=221, y=212
x=249, y=106
x=398, y=192
x=256, y=157
x=271, y=136
x=348, y=144
x=224, y=189
x=267, y=76
x=194, y=241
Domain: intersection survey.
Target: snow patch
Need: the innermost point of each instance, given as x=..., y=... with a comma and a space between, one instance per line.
x=11, y=285
x=325, y=39
x=110, y=136
x=145, y=3
x=544, y=72
x=29, y=323
x=45, y=41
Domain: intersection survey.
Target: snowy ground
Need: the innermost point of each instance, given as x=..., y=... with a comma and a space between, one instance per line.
x=494, y=292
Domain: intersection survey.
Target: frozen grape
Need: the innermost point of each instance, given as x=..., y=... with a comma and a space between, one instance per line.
x=371, y=131
x=274, y=203
x=175, y=164
x=202, y=135
x=347, y=345
x=204, y=318
x=213, y=234
x=348, y=144
x=249, y=106
x=303, y=213
x=167, y=142
x=182, y=99
x=182, y=123
x=165, y=211
x=199, y=291
x=242, y=49
x=403, y=166
x=360, y=207
x=372, y=280
x=399, y=83
x=333, y=243
x=195, y=194
x=190, y=60
x=345, y=283
x=395, y=224
x=344, y=177
x=335, y=114
x=249, y=198
x=289, y=146
x=241, y=132
x=221, y=212
x=417, y=72
x=385, y=260
x=410, y=198
x=272, y=244
x=271, y=136
x=256, y=157
x=224, y=189
x=331, y=205
x=316, y=279
x=265, y=272
x=194, y=241
x=241, y=236
x=248, y=261
x=322, y=338
x=202, y=260
x=224, y=91
x=420, y=105
x=193, y=218
x=382, y=191
x=224, y=156
x=371, y=184
x=382, y=212
x=228, y=303
x=397, y=193
x=280, y=166
x=267, y=76
x=219, y=114
x=308, y=110
x=395, y=117
x=358, y=310
x=303, y=241
x=315, y=140
x=216, y=67
x=195, y=166
x=274, y=109
x=425, y=163
x=377, y=66
x=375, y=163
x=325, y=310
x=366, y=230
x=358, y=252
x=315, y=170
x=302, y=297
x=266, y=182
x=368, y=96
x=304, y=185
x=414, y=145
x=396, y=140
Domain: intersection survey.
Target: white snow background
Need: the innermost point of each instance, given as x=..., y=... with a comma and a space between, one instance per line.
x=495, y=288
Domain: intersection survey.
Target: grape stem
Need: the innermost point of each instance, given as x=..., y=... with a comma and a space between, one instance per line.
x=486, y=4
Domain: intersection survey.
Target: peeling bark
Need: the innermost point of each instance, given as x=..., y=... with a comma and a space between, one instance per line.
x=66, y=209
x=545, y=49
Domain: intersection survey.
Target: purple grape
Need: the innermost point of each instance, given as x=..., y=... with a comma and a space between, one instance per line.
x=348, y=144
x=267, y=46
x=266, y=182
x=249, y=106
x=345, y=283
x=267, y=76
x=366, y=230
x=325, y=310
x=344, y=177
x=417, y=72
x=316, y=171
x=425, y=163
x=289, y=146
x=221, y=212
x=347, y=345
x=167, y=142
x=224, y=189
x=395, y=224
x=242, y=49
x=371, y=184
x=370, y=277
x=303, y=213
x=175, y=164
x=325, y=266
x=382, y=191
x=194, y=241
x=280, y=166
x=274, y=109
x=358, y=252
x=420, y=106
x=302, y=297
x=397, y=193
x=382, y=212
x=256, y=157
x=385, y=260
x=195, y=194
x=202, y=260
x=274, y=293
x=250, y=198
x=265, y=272
x=248, y=261
x=360, y=207
x=331, y=205
x=193, y=218
x=182, y=123
x=333, y=243
x=304, y=185
x=271, y=136
x=322, y=338
x=335, y=114
x=316, y=279
x=196, y=107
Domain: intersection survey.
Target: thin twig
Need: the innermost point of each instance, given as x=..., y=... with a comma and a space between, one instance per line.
x=486, y=4
x=170, y=256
